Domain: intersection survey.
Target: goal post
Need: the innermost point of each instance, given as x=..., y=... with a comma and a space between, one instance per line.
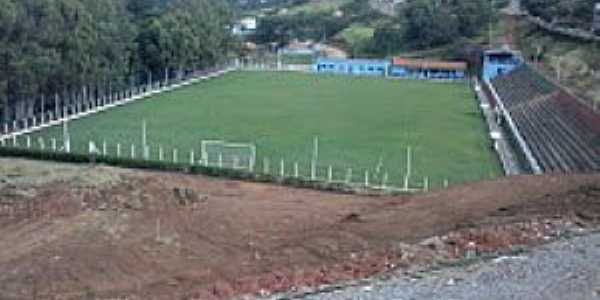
x=223, y=154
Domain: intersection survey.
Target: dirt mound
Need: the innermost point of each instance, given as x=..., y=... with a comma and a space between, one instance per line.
x=107, y=233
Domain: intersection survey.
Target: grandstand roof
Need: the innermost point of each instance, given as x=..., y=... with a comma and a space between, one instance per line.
x=413, y=63
x=352, y=61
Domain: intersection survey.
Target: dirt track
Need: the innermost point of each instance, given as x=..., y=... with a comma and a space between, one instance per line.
x=71, y=232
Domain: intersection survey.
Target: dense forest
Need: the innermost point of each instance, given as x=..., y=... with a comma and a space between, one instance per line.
x=59, y=47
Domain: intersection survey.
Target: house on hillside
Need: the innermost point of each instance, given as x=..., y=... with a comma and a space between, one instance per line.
x=427, y=69
x=364, y=67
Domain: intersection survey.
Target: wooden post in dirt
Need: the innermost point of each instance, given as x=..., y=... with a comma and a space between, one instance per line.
x=118, y=150
x=446, y=183
x=282, y=168
x=426, y=184
x=161, y=153
x=330, y=174
x=192, y=159
x=175, y=156
x=132, y=151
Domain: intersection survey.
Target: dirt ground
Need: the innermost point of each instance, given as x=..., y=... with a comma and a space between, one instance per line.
x=73, y=232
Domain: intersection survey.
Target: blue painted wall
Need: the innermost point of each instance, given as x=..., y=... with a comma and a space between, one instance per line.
x=402, y=72
x=359, y=67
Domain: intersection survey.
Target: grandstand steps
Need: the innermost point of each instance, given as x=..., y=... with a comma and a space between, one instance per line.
x=573, y=133
x=548, y=158
x=562, y=136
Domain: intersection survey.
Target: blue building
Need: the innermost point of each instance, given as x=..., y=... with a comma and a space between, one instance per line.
x=499, y=62
x=360, y=67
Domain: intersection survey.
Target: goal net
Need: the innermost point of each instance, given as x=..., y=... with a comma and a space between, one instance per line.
x=222, y=154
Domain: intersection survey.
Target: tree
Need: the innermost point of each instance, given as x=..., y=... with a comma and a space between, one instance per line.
x=65, y=46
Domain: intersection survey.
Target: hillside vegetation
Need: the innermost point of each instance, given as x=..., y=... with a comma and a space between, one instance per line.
x=579, y=61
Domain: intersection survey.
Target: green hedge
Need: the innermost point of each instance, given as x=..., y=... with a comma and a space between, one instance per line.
x=174, y=167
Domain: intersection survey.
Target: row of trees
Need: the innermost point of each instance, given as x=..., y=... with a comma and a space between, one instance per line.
x=59, y=46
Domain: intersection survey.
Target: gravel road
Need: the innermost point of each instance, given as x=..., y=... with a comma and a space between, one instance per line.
x=567, y=269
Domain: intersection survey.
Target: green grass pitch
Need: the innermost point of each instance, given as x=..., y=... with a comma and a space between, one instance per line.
x=361, y=123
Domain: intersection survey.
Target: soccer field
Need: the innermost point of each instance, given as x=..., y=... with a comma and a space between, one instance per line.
x=361, y=123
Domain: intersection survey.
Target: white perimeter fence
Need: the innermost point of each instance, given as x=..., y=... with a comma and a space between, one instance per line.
x=376, y=179
x=65, y=113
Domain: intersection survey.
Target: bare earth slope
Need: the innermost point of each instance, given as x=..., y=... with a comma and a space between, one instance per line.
x=72, y=232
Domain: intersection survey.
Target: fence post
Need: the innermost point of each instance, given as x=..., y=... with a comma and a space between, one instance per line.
x=28, y=141
x=366, y=178
x=53, y=142
x=282, y=168
x=349, y=176
x=220, y=160
x=296, y=172
x=132, y=151
x=43, y=110
x=315, y=158
x=192, y=159
x=330, y=174
x=15, y=144
x=5, y=128
x=161, y=153
x=266, y=166
x=446, y=183
x=15, y=126
x=104, y=148
x=426, y=184
x=384, y=181
x=174, y=155
x=41, y=143
x=56, y=108
x=118, y=150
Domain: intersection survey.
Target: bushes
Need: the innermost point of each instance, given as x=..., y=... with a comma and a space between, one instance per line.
x=174, y=167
